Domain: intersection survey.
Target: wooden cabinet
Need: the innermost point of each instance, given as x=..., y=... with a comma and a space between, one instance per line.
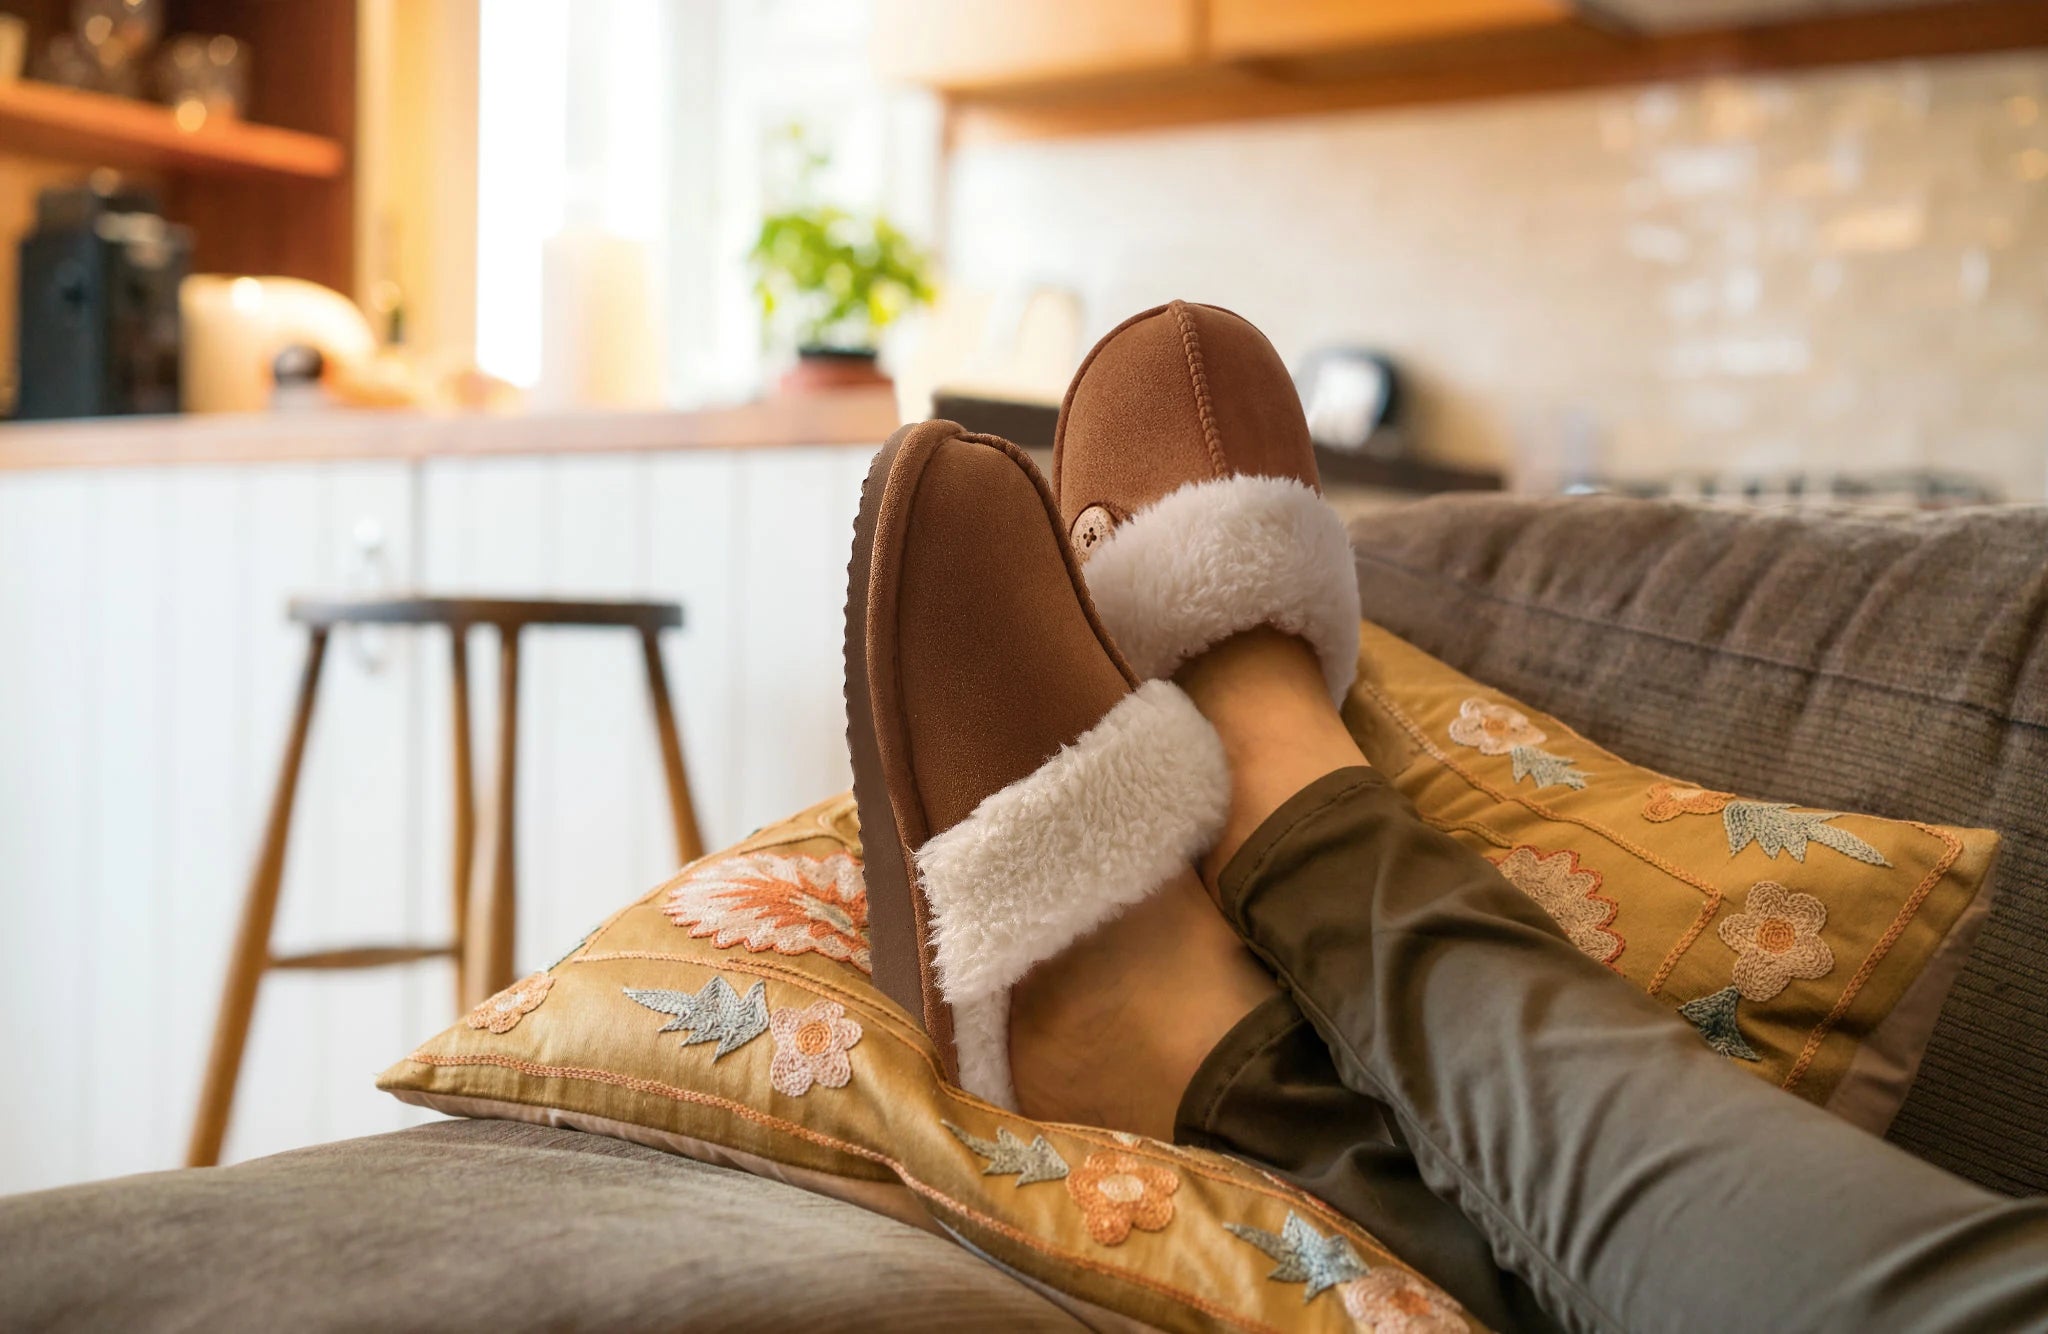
x=146, y=678
x=994, y=43
x=1240, y=29
x=1036, y=69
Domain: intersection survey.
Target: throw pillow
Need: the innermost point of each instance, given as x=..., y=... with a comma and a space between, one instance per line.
x=1812, y=947
x=728, y=1015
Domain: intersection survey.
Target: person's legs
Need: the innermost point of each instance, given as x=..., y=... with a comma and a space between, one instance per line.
x=1269, y=1093
x=1632, y=1177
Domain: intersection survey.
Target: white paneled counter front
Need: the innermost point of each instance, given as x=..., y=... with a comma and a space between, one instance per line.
x=146, y=674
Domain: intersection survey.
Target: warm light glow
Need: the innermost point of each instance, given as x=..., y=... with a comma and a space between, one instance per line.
x=245, y=295
x=190, y=114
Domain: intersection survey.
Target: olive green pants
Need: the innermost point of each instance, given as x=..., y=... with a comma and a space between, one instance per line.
x=1543, y=1140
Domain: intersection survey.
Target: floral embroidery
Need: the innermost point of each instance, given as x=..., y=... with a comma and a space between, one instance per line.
x=1118, y=1192
x=770, y=901
x=1547, y=769
x=1395, y=1301
x=1010, y=1156
x=1495, y=729
x=1569, y=893
x=1776, y=937
x=1305, y=1255
x=502, y=1012
x=715, y=1014
x=1772, y=825
x=1668, y=801
x=1714, y=1016
x=1775, y=827
x=811, y=1046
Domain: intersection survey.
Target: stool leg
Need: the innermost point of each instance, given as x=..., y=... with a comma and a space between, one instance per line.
x=251, y=953
x=689, y=842
x=464, y=859
x=488, y=948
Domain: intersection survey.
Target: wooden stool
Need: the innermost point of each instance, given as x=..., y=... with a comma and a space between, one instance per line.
x=484, y=925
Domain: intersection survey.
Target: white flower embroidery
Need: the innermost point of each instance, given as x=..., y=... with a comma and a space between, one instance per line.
x=1493, y=729
x=810, y=1047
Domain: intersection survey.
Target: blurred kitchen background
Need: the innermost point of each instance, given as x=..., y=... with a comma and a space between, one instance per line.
x=615, y=298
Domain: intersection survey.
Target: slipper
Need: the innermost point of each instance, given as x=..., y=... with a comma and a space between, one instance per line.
x=1187, y=485
x=1018, y=785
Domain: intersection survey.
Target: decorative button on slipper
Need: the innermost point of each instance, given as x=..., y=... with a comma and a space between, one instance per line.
x=1018, y=785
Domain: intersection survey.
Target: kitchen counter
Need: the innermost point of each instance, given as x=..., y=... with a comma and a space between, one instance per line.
x=857, y=417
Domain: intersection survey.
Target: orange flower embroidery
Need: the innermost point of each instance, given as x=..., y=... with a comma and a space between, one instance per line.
x=1494, y=729
x=771, y=901
x=1668, y=801
x=810, y=1048
x=1776, y=937
x=502, y=1012
x=1118, y=1192
x=1569, y=893
x=1395, y=1301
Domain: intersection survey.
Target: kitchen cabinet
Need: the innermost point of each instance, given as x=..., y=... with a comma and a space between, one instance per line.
x=1240, y=29
x=1039, y=69
x=146, y=675
x=948, y=45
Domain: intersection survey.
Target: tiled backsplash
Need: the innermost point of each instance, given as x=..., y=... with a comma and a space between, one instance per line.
x=1837, y=271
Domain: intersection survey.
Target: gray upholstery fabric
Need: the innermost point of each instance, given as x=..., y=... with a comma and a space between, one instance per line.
x=487, y=1226
x=1891, y=665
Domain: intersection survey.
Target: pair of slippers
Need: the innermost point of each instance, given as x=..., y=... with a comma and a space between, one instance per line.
x=1023, y=766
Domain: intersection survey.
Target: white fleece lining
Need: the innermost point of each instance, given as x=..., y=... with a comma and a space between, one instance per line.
x=1219, y=557
x=1046, y=860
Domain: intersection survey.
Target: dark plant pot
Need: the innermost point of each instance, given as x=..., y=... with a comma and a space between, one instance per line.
x=828, y=370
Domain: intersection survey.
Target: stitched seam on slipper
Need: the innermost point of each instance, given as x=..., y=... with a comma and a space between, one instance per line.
x=1198, y=380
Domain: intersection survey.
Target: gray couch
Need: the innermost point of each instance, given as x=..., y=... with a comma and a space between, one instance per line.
x=1884, y=665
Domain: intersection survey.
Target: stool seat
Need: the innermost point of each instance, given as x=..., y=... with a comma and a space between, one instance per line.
x=503, y=613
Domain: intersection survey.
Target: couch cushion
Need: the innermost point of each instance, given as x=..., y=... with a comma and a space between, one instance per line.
x=486, y=1226
x=1896, y=665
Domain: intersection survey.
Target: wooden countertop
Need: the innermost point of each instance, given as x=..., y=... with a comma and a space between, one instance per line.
x=861, y=417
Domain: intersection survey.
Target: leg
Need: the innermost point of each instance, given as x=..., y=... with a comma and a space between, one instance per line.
x=1599, y=1147
x=463, y=860
x=251, y=951
x=493, y=922
x=689, y=843
x=1269, y=1093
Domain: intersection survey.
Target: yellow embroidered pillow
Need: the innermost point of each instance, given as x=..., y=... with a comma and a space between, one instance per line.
x=728, y=1016
x=1813, y=947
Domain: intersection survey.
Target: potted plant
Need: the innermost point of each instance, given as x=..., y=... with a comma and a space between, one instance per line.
x=830, y=280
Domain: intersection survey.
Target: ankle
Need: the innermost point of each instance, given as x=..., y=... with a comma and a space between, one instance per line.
x=1111, y=1032
x=1264, y=693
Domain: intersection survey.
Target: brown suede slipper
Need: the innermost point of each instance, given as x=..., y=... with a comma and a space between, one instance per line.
x=1187, y=483
x=1017, y=786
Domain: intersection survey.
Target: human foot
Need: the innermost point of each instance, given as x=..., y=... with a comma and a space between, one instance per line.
x=1023, y=798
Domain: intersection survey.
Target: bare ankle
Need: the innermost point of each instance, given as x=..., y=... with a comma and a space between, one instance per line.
x=1264, y=693
x=1111, y=1032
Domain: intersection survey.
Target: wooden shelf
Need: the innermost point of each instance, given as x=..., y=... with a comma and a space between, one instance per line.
x=43, y=120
